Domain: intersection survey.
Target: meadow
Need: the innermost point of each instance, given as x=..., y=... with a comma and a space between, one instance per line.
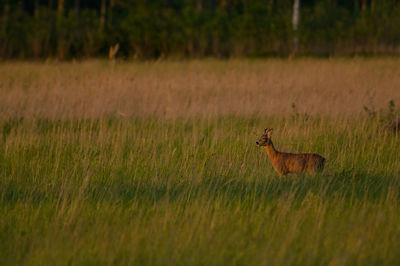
x=155, y=163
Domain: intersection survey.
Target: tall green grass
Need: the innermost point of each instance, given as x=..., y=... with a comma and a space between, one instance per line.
x=196, y=191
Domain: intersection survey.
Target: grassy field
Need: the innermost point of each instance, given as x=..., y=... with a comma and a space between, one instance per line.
x=156, y=164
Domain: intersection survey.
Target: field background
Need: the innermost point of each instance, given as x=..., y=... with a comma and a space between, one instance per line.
x=155, y=163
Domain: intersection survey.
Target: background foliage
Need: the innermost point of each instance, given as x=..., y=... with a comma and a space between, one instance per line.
x=195, y=28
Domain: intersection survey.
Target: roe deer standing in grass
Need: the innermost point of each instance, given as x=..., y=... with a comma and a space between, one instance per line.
x=285, y=163
x=393, y=126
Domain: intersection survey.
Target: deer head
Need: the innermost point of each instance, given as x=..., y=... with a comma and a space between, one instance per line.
x=265, y=139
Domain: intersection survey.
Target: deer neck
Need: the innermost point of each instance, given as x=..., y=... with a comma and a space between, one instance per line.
x=271, y=151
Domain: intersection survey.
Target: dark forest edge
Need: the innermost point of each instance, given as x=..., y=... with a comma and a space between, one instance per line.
x=66, y=29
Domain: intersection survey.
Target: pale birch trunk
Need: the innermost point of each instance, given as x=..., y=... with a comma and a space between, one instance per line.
x=296, y=19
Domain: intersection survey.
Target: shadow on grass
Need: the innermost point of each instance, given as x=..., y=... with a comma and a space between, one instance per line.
x=359, y=186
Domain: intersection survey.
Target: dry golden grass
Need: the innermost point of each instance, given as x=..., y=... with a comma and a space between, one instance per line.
x=197, y=191
x=206, y=88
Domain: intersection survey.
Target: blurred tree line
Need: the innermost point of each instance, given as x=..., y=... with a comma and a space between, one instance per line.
x=196, y=28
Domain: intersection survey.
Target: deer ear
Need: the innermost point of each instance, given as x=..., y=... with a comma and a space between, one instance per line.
x=269, y=132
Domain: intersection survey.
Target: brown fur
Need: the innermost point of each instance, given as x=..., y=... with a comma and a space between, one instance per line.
x=393, y=126
x=285, y=163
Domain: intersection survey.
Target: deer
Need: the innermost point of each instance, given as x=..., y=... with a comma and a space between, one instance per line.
x=393, y=126
x=285, y=163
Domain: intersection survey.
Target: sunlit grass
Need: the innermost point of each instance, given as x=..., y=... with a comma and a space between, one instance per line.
x=196, y=192
x=204, y=88
x=190, y=187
